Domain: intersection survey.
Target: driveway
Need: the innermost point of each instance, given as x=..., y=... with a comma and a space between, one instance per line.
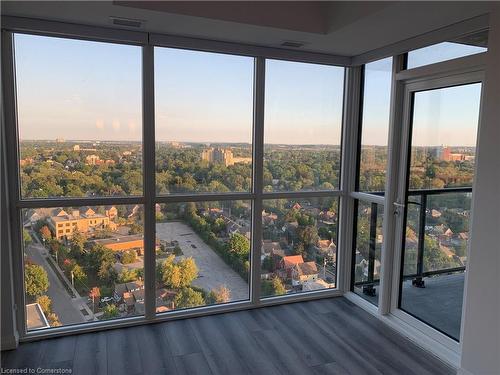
x=213, y=271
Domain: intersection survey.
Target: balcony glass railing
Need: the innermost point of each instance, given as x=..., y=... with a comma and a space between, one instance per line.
x=435, y=257
x=435, y=243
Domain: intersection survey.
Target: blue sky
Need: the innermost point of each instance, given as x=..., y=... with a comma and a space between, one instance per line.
x=88, y=90
x=376, y=102
x=446, y=116
x=440, y=52
x=77, y=89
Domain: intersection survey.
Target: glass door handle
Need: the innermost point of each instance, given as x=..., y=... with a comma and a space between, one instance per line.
x=398, y=207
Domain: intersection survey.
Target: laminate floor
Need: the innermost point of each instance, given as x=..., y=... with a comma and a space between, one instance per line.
x=329, y=336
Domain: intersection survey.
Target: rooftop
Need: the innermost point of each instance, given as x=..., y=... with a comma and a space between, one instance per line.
x=35, y=318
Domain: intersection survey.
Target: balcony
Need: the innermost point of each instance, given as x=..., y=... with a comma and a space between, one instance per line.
x=434, y=261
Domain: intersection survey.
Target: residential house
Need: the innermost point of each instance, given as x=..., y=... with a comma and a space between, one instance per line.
x=303, y=273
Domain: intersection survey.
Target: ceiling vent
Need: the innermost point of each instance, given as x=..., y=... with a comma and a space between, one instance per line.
x=127, y=22
x=292, y=44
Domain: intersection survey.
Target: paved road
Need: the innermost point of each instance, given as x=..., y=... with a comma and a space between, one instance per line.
x=213, y=271
x=62, y=303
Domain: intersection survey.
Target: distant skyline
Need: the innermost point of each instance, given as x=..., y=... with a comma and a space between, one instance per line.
x=75, y=89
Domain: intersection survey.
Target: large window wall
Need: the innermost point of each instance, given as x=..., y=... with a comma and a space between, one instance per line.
x=178, y=181
x=190, y=181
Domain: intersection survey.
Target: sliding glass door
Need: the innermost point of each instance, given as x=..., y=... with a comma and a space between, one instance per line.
x=434, y=206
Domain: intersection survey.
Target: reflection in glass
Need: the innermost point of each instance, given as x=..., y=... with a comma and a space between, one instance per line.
x=82, y=264
x=203, y=253
x=303, y=117
x=375, y=125
x=368, y=250
x=204, y=114
x=79, y=117
x=299, y=245
x=464, y=46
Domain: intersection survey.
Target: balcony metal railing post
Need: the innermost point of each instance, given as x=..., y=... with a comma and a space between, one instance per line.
x=368, y=288
x=418, y=280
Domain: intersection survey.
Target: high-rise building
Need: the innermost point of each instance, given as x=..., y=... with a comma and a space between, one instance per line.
x=218, y=155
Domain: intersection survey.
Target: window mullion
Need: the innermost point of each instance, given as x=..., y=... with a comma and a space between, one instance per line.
x=258, y=160
x=148, y=120
x=352, y=94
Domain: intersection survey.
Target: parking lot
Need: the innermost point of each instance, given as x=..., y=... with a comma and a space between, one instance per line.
x=213, y=271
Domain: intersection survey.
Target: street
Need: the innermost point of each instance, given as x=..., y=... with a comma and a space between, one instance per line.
x=63, y=305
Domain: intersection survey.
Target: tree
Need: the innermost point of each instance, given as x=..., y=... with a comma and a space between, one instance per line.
x=129, y=256
x=434, y=258
x=110, y=312
x=278, y=287
x=308, y=235
x=36, y=280
x=53, y=320
x=26, y=238
x=45, y=303
x=239, y=244
x=128, y=275
x=267, y=264
x=177, y=275
x=189, y=271
x=272, y=287
x=77, y=245
x=46, y=233
x=221, y=294
x=135, y=229
x=188, y=297
x=78, y=273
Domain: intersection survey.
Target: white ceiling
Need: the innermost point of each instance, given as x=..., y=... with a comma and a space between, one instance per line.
x=341, y=28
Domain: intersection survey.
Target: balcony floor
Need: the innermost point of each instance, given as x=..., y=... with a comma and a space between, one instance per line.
x=329, y=336
x=439, y=304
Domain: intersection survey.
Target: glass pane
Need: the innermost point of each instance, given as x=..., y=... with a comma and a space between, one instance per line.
x=375, y=125
x=446, y=231
x=204, y=115
x=303, y=120
x=437, y=222
x=299, y=245
x=368, y=250
x=79, y=117
x=444, y=137
x=203, y=254
x=412, y=235
x=465, y=46
x=82, y=264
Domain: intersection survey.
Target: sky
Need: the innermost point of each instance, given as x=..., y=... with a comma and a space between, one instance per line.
x=440, y=52
x=81, y=90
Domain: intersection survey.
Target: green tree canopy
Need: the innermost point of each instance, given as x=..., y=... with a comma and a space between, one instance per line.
x=36, y=280
x=110, y=312
x=188, y=297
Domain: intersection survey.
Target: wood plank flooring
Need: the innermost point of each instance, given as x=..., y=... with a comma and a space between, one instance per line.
x=330, y=336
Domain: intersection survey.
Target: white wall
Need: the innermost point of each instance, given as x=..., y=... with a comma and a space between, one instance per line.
x=481, y=316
